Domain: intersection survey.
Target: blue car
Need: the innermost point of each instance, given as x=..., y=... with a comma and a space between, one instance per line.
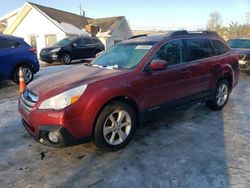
x=15, y=52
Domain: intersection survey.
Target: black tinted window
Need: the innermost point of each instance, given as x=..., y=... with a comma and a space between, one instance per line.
x=220, y=47
x=7, y=44
x=79, y=42
x=199, y=49
x=172, y=52
x=87, y=41
x=94, y=40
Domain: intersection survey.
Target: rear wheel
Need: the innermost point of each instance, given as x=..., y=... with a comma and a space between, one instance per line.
x=28, y=74
x=220, y=96
x=115, y=126
x=66, y=59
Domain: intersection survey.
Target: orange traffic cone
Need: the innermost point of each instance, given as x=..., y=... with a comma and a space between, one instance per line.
x=22, y=84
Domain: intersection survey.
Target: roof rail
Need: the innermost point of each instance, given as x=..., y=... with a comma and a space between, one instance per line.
x=177, y=33
x=185, y=32
x=137, y=36
x=205, y=32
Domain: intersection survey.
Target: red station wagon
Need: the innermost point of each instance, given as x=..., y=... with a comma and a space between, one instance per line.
x=105, y=101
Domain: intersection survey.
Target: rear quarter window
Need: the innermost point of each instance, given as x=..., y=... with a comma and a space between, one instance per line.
x=199, y=49
x=220, y=47
x=5, y=44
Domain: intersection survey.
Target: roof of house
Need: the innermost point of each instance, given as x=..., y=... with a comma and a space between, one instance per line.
x=62, y=16
x=105, y=24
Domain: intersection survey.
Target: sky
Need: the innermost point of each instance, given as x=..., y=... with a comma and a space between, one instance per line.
x=151, y=14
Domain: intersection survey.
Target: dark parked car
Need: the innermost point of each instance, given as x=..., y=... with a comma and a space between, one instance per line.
x=15, y=52
x=242, y=47
x=132, y=80
x=69, y=49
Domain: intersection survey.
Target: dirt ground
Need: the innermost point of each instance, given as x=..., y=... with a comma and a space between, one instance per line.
x=190, y=147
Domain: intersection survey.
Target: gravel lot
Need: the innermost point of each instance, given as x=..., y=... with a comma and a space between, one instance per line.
x=186, y=147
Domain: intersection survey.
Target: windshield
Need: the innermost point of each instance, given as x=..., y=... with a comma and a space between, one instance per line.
x=239, y=43
x=123, y=56
x=64, y=42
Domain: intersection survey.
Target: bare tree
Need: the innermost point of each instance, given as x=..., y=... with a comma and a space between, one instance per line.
x=214, y=23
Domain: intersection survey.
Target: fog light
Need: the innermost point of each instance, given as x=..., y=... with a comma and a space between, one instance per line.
x=53, y=136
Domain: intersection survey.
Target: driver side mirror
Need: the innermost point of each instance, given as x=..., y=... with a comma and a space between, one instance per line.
x=156, y=65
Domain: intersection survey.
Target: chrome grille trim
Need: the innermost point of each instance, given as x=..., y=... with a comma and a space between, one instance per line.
x=241, y=57
x=28, y=100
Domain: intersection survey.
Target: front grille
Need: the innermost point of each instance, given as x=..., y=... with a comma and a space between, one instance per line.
x=28, y=100
x=241, y=57
x=247, y=58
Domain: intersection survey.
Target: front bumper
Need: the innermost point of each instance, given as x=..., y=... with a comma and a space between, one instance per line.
x=49, y=57
x=65, y=138
x=66, y=124
x=244, y=65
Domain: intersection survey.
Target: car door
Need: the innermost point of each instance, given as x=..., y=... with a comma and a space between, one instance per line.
x=81, y=49
x=165, y=86
x=201, y=56
x=8, y=57
x=90, y=47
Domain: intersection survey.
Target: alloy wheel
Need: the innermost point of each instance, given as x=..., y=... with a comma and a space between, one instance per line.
x=117, y=127
x=222, y=95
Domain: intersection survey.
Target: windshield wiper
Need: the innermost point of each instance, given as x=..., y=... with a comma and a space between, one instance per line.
x=106, y=67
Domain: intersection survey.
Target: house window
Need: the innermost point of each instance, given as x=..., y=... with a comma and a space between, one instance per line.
x=32, y=39
x=50, y=40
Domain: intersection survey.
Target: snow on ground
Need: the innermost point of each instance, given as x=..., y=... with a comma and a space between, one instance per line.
x=187, y=147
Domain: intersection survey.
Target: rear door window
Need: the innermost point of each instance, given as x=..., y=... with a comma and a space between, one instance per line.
x=199, y=49
x=220, y=47
x=172, y=52
x=79, y=42
x=4, y=44
x=87, y=41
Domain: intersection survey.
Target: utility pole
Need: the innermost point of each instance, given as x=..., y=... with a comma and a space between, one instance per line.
x=82, y=12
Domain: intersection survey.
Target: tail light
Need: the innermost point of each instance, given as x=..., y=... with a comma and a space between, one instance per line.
x=33, y=50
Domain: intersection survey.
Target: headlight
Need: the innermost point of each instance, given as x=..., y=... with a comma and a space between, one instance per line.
x=64, y=99
x=55, y=50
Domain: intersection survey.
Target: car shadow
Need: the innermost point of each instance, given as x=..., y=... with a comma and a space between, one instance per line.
x=182, y=148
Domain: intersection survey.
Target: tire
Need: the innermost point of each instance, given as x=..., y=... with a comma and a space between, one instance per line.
x=28, y=74
x=220, y=96
x=66, y=59
x=111, y=133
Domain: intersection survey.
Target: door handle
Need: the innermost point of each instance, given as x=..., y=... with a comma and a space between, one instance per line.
x=186, y=72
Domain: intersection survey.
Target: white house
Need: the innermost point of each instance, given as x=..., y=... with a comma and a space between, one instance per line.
x=42, y=26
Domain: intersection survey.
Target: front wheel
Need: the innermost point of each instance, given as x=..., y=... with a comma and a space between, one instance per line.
x=115, y=126
x=28, y=74
x=220, y=96
x=66, y=59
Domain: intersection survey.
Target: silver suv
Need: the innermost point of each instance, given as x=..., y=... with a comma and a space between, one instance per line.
x=242, y=47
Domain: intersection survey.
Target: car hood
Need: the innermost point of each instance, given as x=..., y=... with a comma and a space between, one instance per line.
x=58, y=82
x=243, y=51
x=48, y=49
